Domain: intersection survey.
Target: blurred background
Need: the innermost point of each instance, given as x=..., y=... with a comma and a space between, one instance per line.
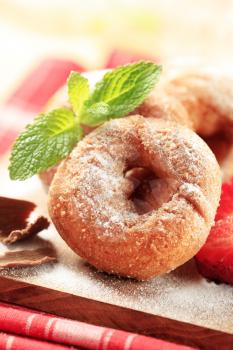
x=88, y=31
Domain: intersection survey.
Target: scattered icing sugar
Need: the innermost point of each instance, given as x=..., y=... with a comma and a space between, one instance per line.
x=182, y=294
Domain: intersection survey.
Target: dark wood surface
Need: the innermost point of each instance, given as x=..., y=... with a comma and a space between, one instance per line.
x=103, y=314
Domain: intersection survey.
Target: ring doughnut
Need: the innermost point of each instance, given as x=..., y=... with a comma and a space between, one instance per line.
x=202, y=101
x=97, y=194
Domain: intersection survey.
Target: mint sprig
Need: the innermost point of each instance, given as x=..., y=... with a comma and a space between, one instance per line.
x=122, y=90
x=44, y=143
x=78, y=91
x=52, y=136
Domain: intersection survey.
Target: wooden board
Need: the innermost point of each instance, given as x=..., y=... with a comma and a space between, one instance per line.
x=180, y=306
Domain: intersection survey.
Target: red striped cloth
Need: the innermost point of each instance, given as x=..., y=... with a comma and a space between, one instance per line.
x=41, y=84
x=119, y=57
x=27, y=100
x=14, y=342
x=31, y=96
x=29, y=323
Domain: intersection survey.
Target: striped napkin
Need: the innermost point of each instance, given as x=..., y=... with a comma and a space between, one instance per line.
x=31, y=96
x=50, y=329
x=26, y=329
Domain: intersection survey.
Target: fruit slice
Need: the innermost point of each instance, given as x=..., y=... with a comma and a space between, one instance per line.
x=215, y=259
x=226, y=202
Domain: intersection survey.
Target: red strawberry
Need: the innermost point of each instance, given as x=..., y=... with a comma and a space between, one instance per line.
x=215, y=259
x=226, y=202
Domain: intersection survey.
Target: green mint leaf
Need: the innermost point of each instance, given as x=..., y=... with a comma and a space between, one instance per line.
x=78, y=91
x=95, y=114
x=123, y=89
x=44, y=143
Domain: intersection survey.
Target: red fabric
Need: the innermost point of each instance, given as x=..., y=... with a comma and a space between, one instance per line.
x=14, y=342
x=47, y=327
x=119, y=57
x=31, y=96
x=41, y=84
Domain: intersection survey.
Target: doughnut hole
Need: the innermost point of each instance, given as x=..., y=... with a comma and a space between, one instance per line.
x=149, y=191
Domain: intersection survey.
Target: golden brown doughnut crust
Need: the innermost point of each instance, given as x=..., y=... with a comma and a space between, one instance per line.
x=90, y=197
x=202, y=101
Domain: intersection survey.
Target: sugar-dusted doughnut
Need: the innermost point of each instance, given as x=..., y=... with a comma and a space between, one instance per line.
x=137, y=196
x=202, y=100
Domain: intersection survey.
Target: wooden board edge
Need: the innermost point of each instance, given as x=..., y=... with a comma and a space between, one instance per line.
x=113, y=316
